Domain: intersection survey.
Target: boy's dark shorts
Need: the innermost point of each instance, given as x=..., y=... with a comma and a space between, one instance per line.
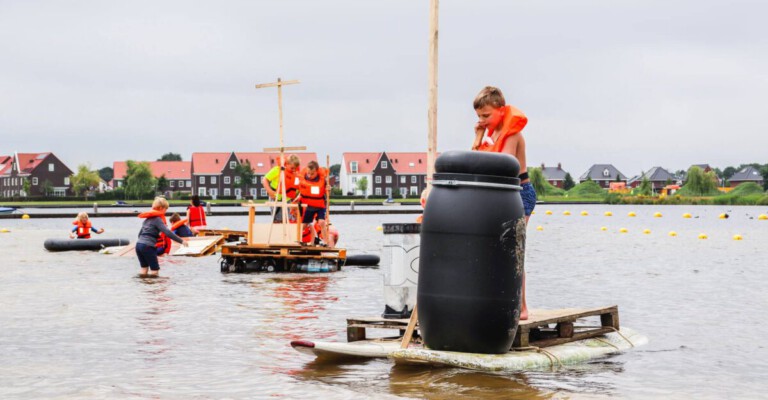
x=529, y=198
x=147, y=256
x=311, y=212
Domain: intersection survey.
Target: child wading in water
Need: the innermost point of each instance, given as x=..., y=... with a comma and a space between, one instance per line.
x=83, y=227
x=499, y=130
x=149, y=235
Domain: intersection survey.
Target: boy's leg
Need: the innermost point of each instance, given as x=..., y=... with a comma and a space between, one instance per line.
x=306, y=221
x=529, y=203
x=143, y=263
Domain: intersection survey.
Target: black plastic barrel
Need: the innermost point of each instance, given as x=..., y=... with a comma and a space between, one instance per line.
x=83, y=244
x=472, y=254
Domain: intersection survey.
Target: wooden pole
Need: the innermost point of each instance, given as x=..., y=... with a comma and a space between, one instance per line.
x=432, y=77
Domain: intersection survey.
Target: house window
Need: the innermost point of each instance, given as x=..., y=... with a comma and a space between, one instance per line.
x=170, y=183
x=353, y=167
x=403, y=191
x=383, y=165
x=354, y=179
x=255, y=180
x=402, y=179
x=226, y=181
x=413, y=179
x=378, y=191
x=263, y=192
x=253, y=192
x=34, y=181
x=213, y=180
x=378, y=180
x=189, y=183
x=202, y=180
x=414, y=190
x=201, y=192
x=232, y=165
x=226, y=192
x=237, y=180
x=66, y=181
x=50, y=167
x=388, y=191
x=606, y=173
x=388, y=179
x=181, y=184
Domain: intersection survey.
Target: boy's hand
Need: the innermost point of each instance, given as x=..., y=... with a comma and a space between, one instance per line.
x=184, y=242
x=71, y=235
x=101, y=230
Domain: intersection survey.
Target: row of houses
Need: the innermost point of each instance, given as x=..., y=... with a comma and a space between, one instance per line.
x=213, y=174
x=659, y=178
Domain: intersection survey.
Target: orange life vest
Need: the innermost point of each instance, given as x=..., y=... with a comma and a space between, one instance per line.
x=313, y=190
x=83, y=229
x=163, y=240
x=514, y=122
x=178, y=224
x=197, y=216
x=307, y=234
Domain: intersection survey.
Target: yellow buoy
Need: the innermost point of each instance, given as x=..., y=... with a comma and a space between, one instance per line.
x=623, y=230
x=631, y=214
x=702, y=235
x=721, y=216
x=566, y=212
x=672, y=233
x=25, y=216
x=686, y=215
x=378, y=228
x=608, y=213
x=604, y=228
x=737, y=237
x=539, y=228
x=533, y=212
x=548, y=212
x=5, y=230
x=762, y=216
x=584, y=213
x=647, y=231
x=657, y=215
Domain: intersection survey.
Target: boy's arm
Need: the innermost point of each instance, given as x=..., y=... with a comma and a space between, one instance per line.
x=479, y=132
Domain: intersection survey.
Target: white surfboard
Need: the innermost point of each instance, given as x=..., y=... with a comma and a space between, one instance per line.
x=569, y=353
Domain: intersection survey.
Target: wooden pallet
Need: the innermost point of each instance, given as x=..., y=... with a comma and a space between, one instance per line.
x=284, y=255
x=536, y=331
x=228, y=234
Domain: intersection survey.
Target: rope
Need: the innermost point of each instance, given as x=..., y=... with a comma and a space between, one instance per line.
x=552, y=358
x=611, y=328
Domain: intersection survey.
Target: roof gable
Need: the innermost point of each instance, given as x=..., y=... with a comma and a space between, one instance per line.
x=27, y=162
x=6, y=163
x=171, y=169
x=658, y=174
x=747, y=174
x=366, y=162
x=210, y=163
x=409, y=163
x=597, y=173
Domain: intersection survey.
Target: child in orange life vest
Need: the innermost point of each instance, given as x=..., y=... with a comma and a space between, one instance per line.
x=150, y=234
x=271, y=182
x=196, y=214
x=313, y=192
x=179, y=226
x=333, y=234
x=83, y=227
x=499, y=130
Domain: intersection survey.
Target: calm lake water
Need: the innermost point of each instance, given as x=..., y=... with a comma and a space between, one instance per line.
x=83, y=325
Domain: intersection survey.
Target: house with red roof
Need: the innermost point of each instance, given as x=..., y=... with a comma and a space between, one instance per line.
x=46, y=174
x=213, y=174
x=388, y=173
x=177, y=173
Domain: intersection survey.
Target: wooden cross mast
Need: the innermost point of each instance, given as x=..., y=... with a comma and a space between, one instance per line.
x=282, y=149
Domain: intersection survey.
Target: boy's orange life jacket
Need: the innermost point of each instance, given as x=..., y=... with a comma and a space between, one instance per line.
x=162, y=240
x=178, y=224
x=307, y=234
x=197, y=216
x=313, y=190
x=83, y=229
x=514, y=122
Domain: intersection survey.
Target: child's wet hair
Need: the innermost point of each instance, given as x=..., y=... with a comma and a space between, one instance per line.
x=160, y=203
x=175, y=217
x=489, y=96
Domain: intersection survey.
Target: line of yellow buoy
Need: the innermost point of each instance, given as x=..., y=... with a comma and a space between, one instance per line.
x=702, y=236
x=655, y=215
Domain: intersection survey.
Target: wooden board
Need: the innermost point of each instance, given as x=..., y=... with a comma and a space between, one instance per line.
x=275, y=234
x=199, y=246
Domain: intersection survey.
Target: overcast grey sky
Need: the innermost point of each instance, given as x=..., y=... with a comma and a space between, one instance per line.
x=632, y=83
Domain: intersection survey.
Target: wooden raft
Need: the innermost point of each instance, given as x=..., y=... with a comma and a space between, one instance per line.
x=542, y=329
x=282, y=252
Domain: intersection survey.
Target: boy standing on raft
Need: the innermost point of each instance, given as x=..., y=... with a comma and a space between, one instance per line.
x=271, y=182
x=313, y=192
x=499, y=130
x=146, y=246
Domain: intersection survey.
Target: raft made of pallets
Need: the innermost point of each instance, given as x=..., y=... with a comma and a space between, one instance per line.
x=280, y=258
x=228, y=234
x=543, y=328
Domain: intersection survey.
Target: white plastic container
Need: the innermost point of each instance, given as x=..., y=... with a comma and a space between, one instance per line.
x=400, y=260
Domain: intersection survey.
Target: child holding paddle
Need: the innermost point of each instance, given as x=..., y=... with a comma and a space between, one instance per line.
x=499, y=130
x=146, y=246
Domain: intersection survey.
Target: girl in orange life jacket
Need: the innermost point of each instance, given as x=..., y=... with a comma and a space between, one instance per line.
x=499, y=130
x=313, y=192
x=83, y=227
x=196, y=214
x=149, y=235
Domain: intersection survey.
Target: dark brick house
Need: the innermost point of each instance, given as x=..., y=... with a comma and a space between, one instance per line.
x=46, y=174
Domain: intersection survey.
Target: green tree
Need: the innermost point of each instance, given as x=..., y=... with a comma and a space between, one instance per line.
x=728, y=172
x=107, y=173
x=84, y=181
x=170, y=157
x=700, y=183
x=244, y=171
x=645, y=188
x=538, y=181
x=335, y=168
x=26, y=186
x=46, y=188
x=569, y=182
x=139, y=181
x=362, y=185
x=162, y=183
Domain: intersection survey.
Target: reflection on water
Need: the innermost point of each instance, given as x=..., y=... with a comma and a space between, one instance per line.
x=83, y=325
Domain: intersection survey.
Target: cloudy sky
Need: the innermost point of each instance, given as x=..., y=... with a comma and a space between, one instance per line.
x=632, y=83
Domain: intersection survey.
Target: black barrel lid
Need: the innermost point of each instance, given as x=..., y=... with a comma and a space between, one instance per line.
x=477, y=163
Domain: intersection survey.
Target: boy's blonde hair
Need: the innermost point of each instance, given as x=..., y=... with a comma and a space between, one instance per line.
x=489, y=96
x=82, y=217
x=293, y=159
x=160, y=203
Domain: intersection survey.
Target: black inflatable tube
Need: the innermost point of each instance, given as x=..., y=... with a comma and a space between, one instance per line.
x=83, y=244
x=362, y=259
